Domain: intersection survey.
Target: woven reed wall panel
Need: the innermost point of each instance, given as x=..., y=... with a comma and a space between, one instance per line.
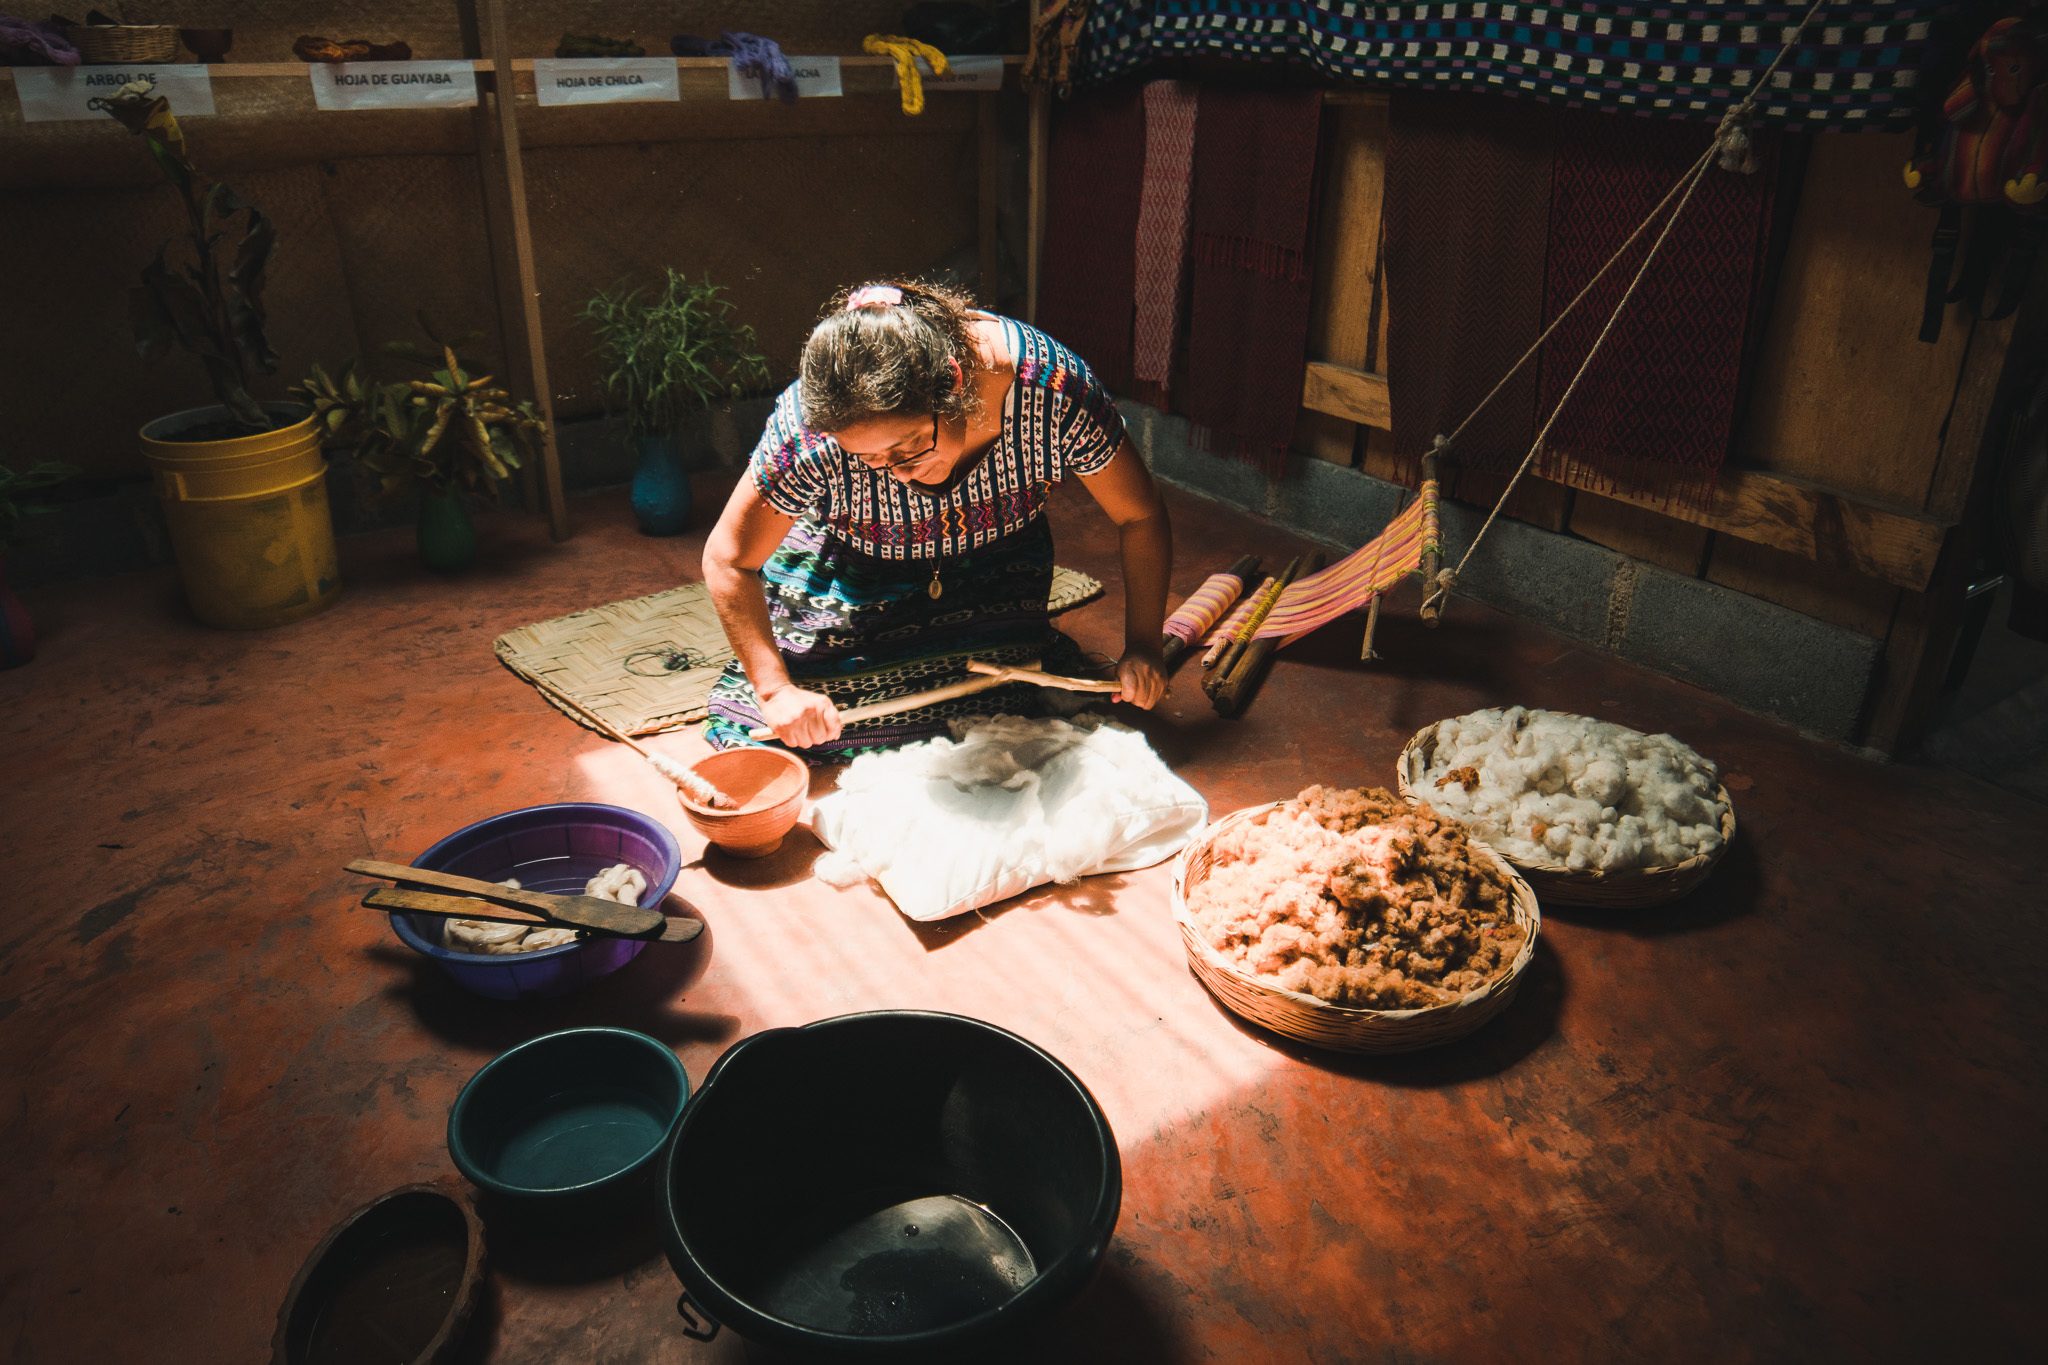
x=833, y=211
x=74, y=387
x=260, y=123
x=264, y=29
x=410, y=230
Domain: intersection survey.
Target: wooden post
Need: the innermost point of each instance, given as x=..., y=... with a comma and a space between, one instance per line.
x=1038, y=142
x=988, y=137
x=503, y=170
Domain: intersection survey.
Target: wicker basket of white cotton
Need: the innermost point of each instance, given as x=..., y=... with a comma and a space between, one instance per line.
x=1590, y=812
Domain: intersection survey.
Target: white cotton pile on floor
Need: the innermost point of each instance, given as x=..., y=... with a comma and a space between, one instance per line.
x=621, y=882
x=1546, y=787
x=1007, y=804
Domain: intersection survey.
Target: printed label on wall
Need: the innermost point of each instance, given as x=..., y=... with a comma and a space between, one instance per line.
x=965, y=73
x=393, y=85
x=814, y=76
x=53, y=94
x=604, y=80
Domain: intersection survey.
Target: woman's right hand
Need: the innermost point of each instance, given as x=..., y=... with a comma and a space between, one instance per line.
x=800, y=718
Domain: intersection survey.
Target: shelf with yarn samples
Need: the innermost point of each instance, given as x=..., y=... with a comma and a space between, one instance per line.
x=700, y=77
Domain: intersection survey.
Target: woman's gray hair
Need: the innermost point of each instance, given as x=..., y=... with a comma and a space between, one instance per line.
x=888, y=359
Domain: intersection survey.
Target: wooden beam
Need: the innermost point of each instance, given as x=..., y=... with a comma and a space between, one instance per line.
x=1896, y=545
x=988, y=190
x=512, y=257
x=2004, y=361
x=1893, y=544
x=1038, y=146
x=1340, y=324
x=1355, y=99
x=1352, y=394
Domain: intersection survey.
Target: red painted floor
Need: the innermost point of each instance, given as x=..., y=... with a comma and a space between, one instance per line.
x=1796, y=1117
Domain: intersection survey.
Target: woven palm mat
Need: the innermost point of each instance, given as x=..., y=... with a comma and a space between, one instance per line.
x=647, y=664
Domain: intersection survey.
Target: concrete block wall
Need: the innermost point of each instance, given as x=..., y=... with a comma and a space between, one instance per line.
x=1771, y=660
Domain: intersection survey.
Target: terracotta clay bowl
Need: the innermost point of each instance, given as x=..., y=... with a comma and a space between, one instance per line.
x=768, y=784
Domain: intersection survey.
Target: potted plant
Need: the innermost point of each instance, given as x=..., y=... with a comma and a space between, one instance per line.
x=666, y=354
x=243, y=482
x=17, y=631
x=451, y=436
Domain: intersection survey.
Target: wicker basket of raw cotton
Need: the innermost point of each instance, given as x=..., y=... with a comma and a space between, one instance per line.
x=1352, y=921
x=1590, y=813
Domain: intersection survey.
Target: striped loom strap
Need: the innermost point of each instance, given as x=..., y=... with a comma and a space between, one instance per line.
x=1352, y=582
x=1204, y=607
x=1240, y=616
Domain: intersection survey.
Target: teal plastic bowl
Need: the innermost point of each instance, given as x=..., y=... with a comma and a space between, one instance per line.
x=569, y=1120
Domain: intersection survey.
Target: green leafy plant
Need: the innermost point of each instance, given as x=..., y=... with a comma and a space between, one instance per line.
x=669, y=351
x=17, y=489
x=451, y=432
x=213, y=304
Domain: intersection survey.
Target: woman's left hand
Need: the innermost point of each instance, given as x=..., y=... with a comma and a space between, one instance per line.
x=1140, y=677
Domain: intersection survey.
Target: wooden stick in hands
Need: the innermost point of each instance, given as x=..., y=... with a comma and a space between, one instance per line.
x=986, y=676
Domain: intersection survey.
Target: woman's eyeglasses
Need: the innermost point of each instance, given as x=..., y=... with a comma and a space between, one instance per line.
x=883, y=466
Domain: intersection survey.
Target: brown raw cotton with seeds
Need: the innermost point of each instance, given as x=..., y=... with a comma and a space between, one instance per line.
x=1359, y=899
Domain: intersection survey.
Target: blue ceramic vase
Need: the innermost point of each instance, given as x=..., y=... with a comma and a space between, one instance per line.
x=661, y=486
x=446, y=535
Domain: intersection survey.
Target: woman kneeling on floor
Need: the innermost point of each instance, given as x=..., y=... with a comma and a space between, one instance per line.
x=894, y=513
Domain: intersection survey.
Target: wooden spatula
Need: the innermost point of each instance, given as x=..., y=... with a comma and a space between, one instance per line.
x=404, y=900
x=590, y=913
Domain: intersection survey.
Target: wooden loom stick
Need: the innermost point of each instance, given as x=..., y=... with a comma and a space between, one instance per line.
x=1432, y=546
x=1172, y=648
x=1238, y=615
x=700, y=790
x=1241, y=640
x=1237, y=683
x=987, y=676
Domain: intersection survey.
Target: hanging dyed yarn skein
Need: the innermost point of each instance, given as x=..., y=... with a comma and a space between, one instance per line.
x=752, y=56
x=905, y=52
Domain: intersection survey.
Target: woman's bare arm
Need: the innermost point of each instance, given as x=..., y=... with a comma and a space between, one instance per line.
x=747, y=533
x=1123, y=489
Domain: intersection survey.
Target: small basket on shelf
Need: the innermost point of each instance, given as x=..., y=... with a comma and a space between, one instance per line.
x=119, y=44
x=1625, y=888
x=1340, y=1028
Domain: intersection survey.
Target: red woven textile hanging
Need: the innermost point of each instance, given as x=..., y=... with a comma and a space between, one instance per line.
x=1253, y=218
x=1656, y=411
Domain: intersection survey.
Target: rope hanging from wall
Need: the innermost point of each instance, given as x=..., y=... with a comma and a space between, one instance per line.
x=1410, y=543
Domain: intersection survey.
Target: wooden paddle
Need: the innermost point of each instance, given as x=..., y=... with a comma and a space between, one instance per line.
x=589, y=913
x=987, y=675
x=405, y=901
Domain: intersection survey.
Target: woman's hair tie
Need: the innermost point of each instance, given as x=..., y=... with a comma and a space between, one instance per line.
x=874, y=296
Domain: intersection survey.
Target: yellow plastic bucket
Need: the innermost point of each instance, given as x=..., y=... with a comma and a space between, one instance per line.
x=250, y=526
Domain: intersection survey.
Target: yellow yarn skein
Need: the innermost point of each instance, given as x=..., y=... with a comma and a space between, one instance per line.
x=905, y=52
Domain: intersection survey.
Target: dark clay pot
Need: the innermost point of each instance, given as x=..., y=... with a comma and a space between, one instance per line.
x=900, y=1186
x=447, y=536
x=400, y=1279
x=661, y=486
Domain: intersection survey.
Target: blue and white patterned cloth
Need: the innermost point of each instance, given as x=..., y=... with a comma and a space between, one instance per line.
x=1857, y=66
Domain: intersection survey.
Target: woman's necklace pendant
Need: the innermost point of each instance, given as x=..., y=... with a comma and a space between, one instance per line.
x=932, y=589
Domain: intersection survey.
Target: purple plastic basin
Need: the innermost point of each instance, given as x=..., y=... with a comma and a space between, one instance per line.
x=556, y=849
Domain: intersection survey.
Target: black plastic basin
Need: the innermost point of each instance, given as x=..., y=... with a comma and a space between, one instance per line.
x=887, y=1184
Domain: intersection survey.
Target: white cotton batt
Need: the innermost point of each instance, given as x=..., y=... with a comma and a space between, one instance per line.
x=1557, y=788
